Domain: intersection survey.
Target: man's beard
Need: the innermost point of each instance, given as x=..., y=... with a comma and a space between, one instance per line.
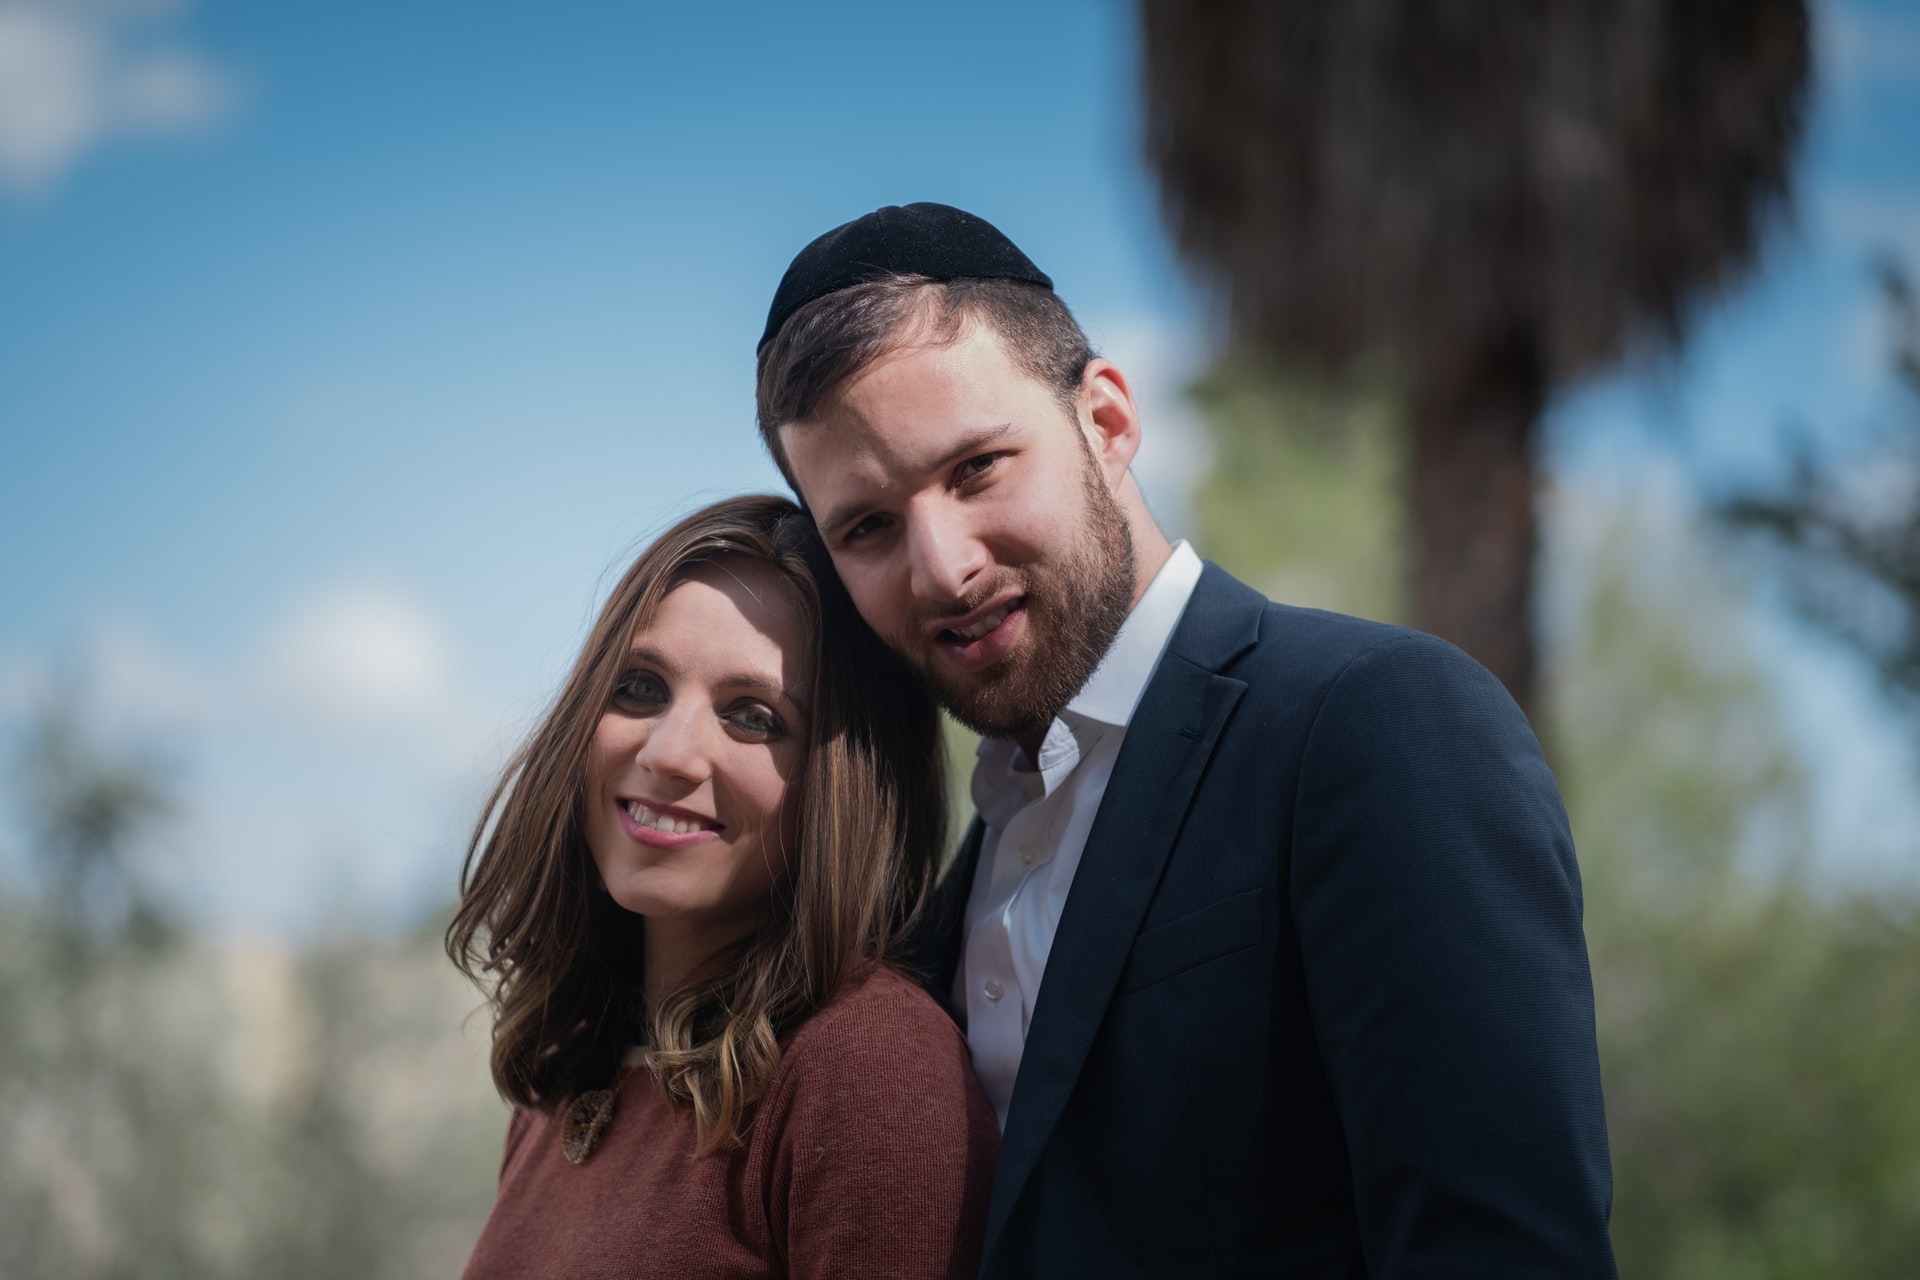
x=1074, y=608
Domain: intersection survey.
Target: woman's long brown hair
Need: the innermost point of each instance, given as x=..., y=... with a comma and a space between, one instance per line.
x=562, y=962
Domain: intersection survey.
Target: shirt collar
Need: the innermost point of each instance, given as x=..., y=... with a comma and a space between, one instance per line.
x=1004, y=781
x=1119, y=682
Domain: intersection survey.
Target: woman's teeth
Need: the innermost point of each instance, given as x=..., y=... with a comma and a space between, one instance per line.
x=969, y=634
x=663, y=821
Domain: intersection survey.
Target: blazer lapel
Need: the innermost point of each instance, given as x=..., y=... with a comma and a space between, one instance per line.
x=1169, y=740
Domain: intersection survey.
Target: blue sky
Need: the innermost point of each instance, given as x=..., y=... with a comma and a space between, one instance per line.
x=345, y=348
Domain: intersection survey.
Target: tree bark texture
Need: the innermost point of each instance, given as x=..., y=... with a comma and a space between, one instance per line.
x=1471, y=492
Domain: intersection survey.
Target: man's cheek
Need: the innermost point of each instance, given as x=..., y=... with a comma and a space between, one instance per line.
x=876, y=604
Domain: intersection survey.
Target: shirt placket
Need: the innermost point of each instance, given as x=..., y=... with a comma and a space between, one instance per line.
x=1000, y=990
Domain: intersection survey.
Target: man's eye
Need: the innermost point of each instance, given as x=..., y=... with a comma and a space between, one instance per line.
x=756, y=719
x=976, y=466
x=866, y=526
x=640, y=690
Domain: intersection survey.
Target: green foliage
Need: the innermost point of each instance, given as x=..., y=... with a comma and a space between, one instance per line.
x=962, y=745
x=1302, y=497
x=88, y=804
x=179, y=1107
x=1757, y=1034
x=237, y=1110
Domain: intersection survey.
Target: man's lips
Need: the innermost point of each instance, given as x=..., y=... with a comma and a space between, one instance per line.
x=970, y=626
x=663, y=826
x=977, y=640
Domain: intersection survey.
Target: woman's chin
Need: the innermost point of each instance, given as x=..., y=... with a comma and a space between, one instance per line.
x=652, y=904
x=682, y=913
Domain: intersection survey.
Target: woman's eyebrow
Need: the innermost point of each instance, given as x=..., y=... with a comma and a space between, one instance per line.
x=761, y=684
x=652, y=657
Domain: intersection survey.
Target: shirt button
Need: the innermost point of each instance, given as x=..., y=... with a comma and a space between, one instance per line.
x=993, y=989
x=1026, y=854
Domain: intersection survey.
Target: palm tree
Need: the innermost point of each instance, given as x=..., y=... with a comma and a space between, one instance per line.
x=1483, y=203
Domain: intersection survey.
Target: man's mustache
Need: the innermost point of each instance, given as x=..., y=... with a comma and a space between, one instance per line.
x=943, y=615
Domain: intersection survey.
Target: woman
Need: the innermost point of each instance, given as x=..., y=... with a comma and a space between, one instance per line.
x=684, y=892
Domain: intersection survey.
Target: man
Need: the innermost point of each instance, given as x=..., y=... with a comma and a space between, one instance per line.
x=1267, y=937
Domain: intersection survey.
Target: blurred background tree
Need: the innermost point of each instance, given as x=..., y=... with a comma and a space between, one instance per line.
x=88, y=808
x=1421, y=226
x=174, y=1105
x=1843, y=534
x=1753, y=1022
x=1423, y=222
x=1757, y=1029
x=1475, y=210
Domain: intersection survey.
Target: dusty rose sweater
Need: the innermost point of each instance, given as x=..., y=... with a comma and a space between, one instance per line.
x=871, y=1155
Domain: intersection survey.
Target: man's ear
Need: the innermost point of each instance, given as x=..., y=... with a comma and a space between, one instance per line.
x=1108, y=419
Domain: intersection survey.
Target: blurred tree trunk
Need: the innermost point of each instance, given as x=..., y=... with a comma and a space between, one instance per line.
x=1470, y=489
x=1476, y=206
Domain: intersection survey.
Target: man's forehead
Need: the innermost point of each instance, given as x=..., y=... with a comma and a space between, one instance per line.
x=849, y=471
x=864, y=447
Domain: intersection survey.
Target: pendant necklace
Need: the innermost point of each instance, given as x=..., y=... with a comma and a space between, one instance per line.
x=589, y=1114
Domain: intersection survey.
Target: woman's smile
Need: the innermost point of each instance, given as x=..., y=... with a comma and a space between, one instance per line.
x=664, y=826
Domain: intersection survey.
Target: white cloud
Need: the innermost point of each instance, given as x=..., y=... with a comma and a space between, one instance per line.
x=77, y=73
x=326, y=766
x=1855, y=46
x=124, y=685
x=355, y=655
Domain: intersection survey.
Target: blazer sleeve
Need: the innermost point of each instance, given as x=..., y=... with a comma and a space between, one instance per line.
x=1438, y=907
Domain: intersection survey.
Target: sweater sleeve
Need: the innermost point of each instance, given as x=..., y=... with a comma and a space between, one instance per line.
x=882, y=1163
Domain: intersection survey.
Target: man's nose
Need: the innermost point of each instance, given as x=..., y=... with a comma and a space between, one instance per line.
x=945, y=555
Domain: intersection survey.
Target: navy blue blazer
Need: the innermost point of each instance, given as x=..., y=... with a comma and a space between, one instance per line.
x=1319, y=1003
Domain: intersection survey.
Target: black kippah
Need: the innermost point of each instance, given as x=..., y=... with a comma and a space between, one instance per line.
x=934, y=240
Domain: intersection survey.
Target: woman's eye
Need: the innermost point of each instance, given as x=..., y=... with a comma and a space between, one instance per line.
x=756, y=719
x=640, y=689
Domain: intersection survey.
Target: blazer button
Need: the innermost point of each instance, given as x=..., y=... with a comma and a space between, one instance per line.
x=1026, y=854
x=993, y=989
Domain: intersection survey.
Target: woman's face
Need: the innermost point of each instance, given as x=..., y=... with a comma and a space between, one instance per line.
x=689, y=773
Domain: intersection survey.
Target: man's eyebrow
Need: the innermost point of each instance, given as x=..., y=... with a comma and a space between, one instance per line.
x=973, y=442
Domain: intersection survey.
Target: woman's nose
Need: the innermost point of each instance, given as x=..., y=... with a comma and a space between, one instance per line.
x=678, y=745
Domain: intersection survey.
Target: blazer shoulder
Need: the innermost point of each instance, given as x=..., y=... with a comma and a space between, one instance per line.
x=1305, y=642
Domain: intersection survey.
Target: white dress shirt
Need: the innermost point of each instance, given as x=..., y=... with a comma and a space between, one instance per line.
x=1037, y=816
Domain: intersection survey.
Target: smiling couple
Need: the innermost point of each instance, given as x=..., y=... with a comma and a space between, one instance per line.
x=1262, y=956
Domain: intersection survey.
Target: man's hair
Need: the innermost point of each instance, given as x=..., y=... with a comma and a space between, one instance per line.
x=562, y=961
x=834, y=337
